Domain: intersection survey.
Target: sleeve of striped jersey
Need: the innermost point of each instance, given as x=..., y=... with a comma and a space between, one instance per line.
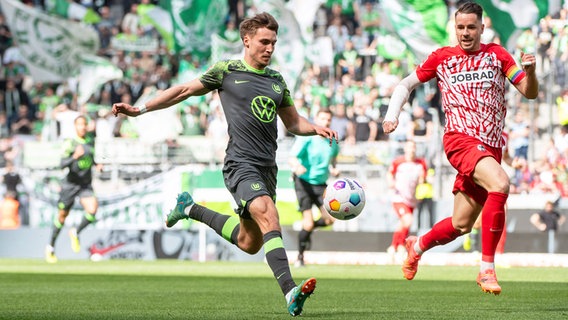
x=510, y=67
x=427, y=69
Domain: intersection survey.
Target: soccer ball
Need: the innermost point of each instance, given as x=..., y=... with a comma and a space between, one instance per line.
x=344, y=199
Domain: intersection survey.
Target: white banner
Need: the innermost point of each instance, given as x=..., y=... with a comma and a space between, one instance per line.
x=95, y=71
x=51, y=47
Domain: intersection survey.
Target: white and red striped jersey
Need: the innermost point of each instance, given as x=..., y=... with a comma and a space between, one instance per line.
x=473, y=88
x=406, y=175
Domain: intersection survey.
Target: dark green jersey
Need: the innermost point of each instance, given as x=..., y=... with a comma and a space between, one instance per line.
x=79, y=169
x=250, y=100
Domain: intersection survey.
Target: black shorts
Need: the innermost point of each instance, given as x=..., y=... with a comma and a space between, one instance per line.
x=246, y=181
x=308, y=194
x=70, y=191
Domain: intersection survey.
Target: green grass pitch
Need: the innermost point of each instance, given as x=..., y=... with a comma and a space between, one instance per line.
x=128, y=289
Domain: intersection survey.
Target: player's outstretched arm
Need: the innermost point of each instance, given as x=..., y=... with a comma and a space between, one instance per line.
x=167, y=98
x=398, y=99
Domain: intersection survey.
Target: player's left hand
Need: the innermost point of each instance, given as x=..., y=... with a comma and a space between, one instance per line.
x=328, y=133
x=528, y=62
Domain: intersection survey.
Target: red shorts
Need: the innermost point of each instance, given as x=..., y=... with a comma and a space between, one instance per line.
x=463, y=153
x=402, y=209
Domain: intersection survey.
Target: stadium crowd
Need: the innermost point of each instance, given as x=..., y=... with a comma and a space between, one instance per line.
x=356, y=87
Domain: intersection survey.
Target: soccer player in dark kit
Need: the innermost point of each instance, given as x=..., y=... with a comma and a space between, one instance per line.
x=252, y=95
x=78, y=157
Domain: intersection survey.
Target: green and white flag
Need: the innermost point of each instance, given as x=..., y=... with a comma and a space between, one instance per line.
x=52, y=48
x=421, y=24
x=290, y=53
x=510, y=17
x=193, y=22
x=72, y=10
x=222, y=49
x=162, y=21
x=94, y=72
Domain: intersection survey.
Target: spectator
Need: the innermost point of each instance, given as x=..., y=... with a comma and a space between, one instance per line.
x=522, y=179
x=22, y=122
x=193, y=120
x=562, y=103
x=340, y=121
x=349, y=62
x=548, y=218
x=136, y=86
x=519, y=136
x=13, y=98
x=105, y=124
x=9, y=218
x=425, y=197
x=422, y=125
x=65, y=117
x=370, y=21
x=544, y=40
x=5, y=35
x=11, y=179
x=231, y=32
x=338, y=34
x=131, y=21
x=348, y=10
x=559, y=56
x=4, y=129
x=362, y=127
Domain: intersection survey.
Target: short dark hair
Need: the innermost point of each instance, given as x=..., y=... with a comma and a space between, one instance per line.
x=326, y=110
x=470, y=7
x=261, y=20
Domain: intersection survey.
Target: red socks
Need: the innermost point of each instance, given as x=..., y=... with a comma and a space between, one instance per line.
x=492, y=224
x=442, y=232
x=399, y=237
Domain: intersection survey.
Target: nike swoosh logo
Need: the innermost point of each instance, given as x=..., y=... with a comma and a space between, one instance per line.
x=241, y=81
x=103, y=251
x=280, y=276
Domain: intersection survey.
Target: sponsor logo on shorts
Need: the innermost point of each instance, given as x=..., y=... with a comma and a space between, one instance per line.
x=255, y=186
x=481, y=148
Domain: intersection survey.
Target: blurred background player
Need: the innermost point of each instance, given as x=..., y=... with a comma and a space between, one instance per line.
x=312, y=162
x=404, y=175
x=79, y=159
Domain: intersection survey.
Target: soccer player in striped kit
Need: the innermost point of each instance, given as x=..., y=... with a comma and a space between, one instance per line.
x=472, y=79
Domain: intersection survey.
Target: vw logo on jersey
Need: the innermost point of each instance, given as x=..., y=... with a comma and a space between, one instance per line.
x=276, y=88
x=481, y=148
x=263, y=108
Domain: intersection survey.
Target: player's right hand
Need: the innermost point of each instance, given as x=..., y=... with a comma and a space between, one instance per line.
x=125, y=108
x=389, y=126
